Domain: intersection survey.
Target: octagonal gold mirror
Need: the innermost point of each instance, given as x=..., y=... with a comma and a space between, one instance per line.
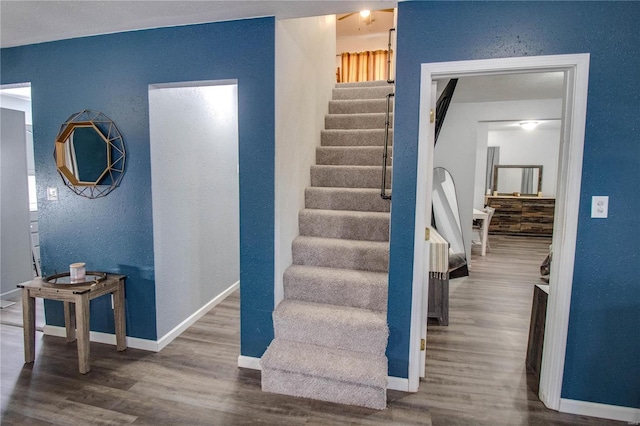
x=89, y=154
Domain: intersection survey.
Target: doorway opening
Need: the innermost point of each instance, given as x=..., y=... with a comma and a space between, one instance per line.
x=575, y=68
x=19, y=197
x=195, y=196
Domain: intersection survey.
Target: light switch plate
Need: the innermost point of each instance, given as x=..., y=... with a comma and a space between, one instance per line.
x=599, y=206
x=52, y=193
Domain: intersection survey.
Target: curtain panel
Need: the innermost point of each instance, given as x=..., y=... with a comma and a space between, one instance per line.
x=363, y=66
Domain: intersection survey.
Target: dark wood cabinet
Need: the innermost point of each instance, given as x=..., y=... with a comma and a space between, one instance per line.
x=522, y=215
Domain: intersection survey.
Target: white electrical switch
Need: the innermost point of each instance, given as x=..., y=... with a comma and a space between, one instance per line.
x=599, y=206
x=52, y=193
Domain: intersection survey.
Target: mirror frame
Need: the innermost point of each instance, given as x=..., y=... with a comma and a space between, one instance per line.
x=516, y=166
x=114, y=144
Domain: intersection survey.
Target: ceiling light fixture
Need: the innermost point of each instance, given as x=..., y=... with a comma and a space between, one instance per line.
x=365, y=13
x=529, y=125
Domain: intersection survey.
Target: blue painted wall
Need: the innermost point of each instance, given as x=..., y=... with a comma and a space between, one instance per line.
x=603, y=349
x=111, y=74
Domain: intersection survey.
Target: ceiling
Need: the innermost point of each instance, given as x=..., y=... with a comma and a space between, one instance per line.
x=29, y=22
x=353, y=25
x=515, y=125
x=507, y=87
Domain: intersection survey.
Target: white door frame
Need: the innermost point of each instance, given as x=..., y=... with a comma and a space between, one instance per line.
x=576, y=68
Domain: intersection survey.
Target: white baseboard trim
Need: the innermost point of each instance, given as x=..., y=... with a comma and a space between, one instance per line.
x=107, y=338
x=13, y=295
x=168, y=338
x=146, y=344
x=604, y=411
x=393, y=383
x=398, y=383
x=249, y=362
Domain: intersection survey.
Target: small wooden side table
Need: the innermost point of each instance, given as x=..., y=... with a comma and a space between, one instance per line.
x=75, y=298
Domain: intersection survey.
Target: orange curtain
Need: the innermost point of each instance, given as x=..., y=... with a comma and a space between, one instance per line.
x=364, y=66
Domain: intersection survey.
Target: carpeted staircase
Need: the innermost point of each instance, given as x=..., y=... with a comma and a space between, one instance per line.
x=331, y=328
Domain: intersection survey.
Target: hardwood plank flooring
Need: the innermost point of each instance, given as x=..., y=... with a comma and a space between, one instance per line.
x=475, y=368
x=193, y=381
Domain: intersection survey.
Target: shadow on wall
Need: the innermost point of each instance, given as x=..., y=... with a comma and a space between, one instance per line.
x=144, y=280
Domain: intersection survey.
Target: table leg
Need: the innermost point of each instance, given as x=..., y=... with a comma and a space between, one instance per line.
x=119, y=319
x=70, y=321
x=29, y=324
x=82, y=324
x=485, y=235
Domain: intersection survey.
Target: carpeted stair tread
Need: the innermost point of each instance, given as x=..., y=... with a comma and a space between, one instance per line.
x=339, y=253
x=345, y=287
x=354, y=137
x=352, y=225
x=341, y=327
x=351, y=155
x=315, y=386
x=330, y=363
x=362, y=199
x=375, y=92
x=349, y=176
x=373, y=120
x=355, y=106
x=331, y=328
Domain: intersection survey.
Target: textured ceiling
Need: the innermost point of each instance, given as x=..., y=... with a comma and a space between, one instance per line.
x=28, y=22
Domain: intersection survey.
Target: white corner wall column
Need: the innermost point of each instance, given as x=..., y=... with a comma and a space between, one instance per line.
x=15, y=245
x=305, y=75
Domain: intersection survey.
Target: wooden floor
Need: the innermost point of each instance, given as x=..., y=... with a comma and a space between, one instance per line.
x=475, y=368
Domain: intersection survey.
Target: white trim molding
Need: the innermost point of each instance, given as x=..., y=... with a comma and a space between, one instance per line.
x=146, y=344
x=250, y=362
x=106, y=338
x=576, y=69
x=13, y=295
x=177, y=330
x=398, y=383
x=604, y=411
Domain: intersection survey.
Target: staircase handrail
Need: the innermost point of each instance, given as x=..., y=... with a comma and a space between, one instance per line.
x=383, y=189
x=389, y=80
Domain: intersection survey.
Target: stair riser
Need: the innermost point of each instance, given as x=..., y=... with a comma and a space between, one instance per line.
x=346, y=199
x=342, y=293
x=348, y=227
x=374, y=83
x=345, y=257
x=293, y=384
x=331, y=335
x=357, y=121
x=359, y=106
x=336, y=137
x=352, y=156
x=349, y=177
x=379, y=92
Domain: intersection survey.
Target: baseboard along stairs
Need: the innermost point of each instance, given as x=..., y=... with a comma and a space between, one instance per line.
x=331, y=328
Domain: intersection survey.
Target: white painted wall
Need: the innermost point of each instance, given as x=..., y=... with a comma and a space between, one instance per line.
x=194, y=182
x=305, y=52
x=361, y=43
x=461, y=151
x=23, y=105
x=18, y=104
x=535, y=147
x=15, y=245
